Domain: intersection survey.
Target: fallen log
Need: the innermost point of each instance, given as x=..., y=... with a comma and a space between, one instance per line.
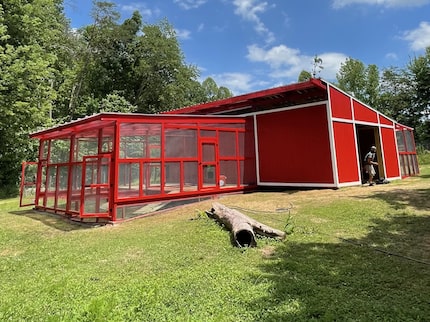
x=242, y=227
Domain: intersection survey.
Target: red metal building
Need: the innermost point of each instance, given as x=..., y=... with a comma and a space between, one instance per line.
x=113, y=166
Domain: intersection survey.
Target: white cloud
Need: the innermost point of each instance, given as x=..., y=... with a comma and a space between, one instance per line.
x=418, y=38
x=238, y=83
x=386, y=3
x=286, y=62
x=249, y=10
x=190, y=4
x=142, y=8
x=391, y=56
x=183, y=33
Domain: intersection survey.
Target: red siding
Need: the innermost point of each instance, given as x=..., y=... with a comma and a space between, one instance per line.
x=346, y=154
x=294, y=146
x=340, y=104
x=384, y=120
x=363, y=113
x=390, y=154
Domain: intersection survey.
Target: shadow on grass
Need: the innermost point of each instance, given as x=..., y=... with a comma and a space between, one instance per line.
x=52, y=220
x=369, y=279
x=402, y=198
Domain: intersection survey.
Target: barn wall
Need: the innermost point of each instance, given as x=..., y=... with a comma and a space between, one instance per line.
x=294, y=146
x=340, y=104
x=390, y=153
x=346, y=152
x=363, y=113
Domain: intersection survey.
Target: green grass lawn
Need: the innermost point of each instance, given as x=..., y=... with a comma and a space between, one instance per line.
x=353, y=254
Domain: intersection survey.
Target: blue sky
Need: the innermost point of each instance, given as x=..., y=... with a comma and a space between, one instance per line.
x=248, y=45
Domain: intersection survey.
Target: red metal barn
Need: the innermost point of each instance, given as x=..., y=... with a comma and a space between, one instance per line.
x=312, y=134
x=112, y=167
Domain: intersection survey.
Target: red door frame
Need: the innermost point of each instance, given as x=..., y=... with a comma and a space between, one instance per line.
x=208, y=163
x=27, y=184
x=98, y=185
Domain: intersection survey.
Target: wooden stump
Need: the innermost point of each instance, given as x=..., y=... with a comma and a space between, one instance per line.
x=242, y=227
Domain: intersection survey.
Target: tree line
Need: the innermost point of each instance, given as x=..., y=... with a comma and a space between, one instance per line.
x=402, y=93
x=51, y=73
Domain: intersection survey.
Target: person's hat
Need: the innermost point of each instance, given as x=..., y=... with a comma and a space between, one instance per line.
x=373, y=147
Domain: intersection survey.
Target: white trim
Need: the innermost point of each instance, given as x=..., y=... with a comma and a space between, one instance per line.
x=257, y=152
x=350, y=184
x=341, y=120
x=298, y=184
x=235, y=109
x=286, y=108
x=335, y=172
x=394, y=178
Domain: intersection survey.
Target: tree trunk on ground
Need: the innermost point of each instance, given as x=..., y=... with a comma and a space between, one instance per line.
x=243, y=228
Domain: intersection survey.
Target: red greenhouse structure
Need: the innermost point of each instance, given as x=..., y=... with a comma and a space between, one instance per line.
x=112, y=167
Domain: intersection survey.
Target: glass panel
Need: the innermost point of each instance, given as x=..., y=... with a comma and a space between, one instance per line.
x=400, y=141
x=50, y=189
x=190, y=176
x=96, y=193
x=107, y=144
x=172, y=173
x=409, y=141
x=60, y=150
x=241, y=139
x=402, y=165
x=228, y=174
x=63, y=176
x=28, y=184
x=128, y=180
x=208, y=152
x=132, y=147
x=75, y=201
x=227, y=144
x=207, y=133
x=44, y=150
x=181, y=143
x=85, y=146
x=209, y=178
x=140, y=140
x=151, y=178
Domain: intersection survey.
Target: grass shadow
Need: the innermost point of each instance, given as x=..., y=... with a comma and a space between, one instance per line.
x=52, y=220
x=380, y=277
x=402, y=198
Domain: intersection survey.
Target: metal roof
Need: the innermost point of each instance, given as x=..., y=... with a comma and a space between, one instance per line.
x=310, y=91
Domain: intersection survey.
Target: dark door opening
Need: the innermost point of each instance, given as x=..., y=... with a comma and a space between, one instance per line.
x=368, y=136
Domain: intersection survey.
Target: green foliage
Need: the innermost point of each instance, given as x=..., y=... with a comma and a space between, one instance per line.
x=29, y=31
x=212, y=92
x=423, y=156
x=359, y=80
x=304, y=76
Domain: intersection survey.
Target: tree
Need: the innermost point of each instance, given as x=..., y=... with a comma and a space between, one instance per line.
x=419, y=69
x=352, y=77
x=212, y=92
x=30, y=32
x=359, y=80
x=304, y=76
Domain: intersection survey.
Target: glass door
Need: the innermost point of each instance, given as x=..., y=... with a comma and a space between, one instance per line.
x=208, y=164
x=27, y=192
x=95, y=192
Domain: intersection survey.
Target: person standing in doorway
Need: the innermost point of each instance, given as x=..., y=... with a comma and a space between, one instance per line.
x=369, y=162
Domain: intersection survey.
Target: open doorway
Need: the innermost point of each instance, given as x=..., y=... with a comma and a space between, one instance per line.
x=368, y=136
